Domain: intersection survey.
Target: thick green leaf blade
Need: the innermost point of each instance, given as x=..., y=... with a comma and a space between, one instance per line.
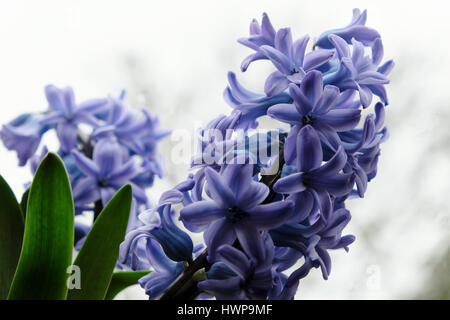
x=11, y=235
x=48, y=238
x=24, y=202
x=98, y=256
x=122, y=280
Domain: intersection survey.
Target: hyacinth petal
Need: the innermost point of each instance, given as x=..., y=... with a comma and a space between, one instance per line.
x=361, y=181
x=365, y=95
x=387, y=67
x=285, y=112
x=223, y=290
x=298, y=274
x=309, y=149
x=341, y=46
x=237, y=177
x=197, y=216
x=304, y=204
x=312, y=86
x=344, y=242
x=54, y=98
x=171, y=196
x=254, y=27
x=53, y=117
x=341, y=119
x=316, y=58
x=379, y=91
x=297, y=77
x=371, y=78
x=328, y=99
x=298, y=50
x=275, y=83
x=88, y=119
x=107, y=156
x=236, y=260
x=324, y=201
x=267, y=29
x=69, y=100
x=301, y=102
x=334, y=165
x=86, y=191
x=138, y=192
x=270, y=216
x=238, y=90
x=124, y=173
x=280, y=61
x=283, y=41
x=67, y=135
x=106, y=193
x=291, y=184
x=255, y=194
x=379, y=116
x=251, y=241
x=217, y=188
x=158, y=259
x=346, y=100
x=86, y=165
x=155, y=283
x=358, y=17
x=92, y=105
x=325, y=262
x=358, y=52
x=360, y=33
x=249, y=59
x=218, y=233
x=377, y=51
x=24, y=144
x=338, y=185
x=328, y=135
x=290, y=145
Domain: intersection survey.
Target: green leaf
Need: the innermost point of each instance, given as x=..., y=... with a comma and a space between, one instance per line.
x=98, y=256
x=122, y=280
x=11, y=235
x=24, y=202
x=48, y=239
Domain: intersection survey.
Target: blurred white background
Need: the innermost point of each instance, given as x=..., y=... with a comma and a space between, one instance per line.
x=172, y=57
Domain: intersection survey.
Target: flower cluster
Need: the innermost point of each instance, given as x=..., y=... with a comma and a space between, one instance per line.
x=103, y=143
x=264, y=231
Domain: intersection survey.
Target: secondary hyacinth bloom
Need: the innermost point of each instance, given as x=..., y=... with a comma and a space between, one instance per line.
x=141, y=135
x=23, y=134
x=103, y=144
x=107, y=171
x=66, y=114
x=266, y=222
